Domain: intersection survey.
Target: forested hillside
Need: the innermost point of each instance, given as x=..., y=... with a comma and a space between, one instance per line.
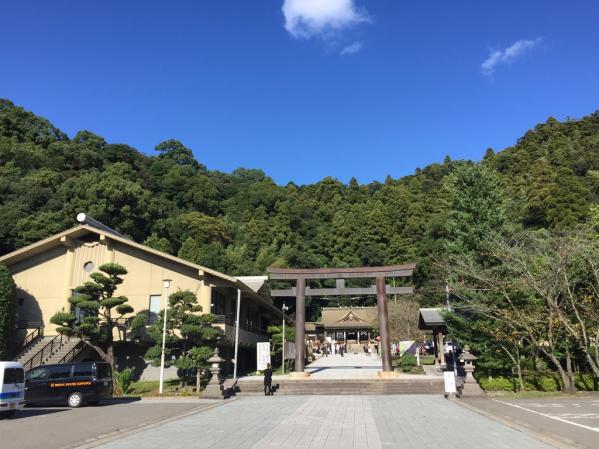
x=242, y=222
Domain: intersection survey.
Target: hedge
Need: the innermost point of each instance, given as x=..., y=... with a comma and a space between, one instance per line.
x=535, y=382
x=8, y=311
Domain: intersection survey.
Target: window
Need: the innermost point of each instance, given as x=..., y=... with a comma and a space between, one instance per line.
x=103, y=371
x=84, y=370
x=13, y=376
x=218, y=306
x=88, y=266
x=42, y=373
x=60, y=371
x=154, y=308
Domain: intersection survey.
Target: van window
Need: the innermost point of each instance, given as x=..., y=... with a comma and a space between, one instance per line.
x=83, y=370
x=13, y=376
x=60, y=371
x=41, y=373
x=103, y=371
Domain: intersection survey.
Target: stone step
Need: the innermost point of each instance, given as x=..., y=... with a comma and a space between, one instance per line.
x=343, y=386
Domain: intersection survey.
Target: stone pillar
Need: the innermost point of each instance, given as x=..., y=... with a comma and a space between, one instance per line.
x=300, y=329
x=385, y=343
x=436, y=347
x=441, y=345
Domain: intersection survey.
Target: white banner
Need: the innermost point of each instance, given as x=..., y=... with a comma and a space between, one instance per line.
x=449, y=378
x=262, y=355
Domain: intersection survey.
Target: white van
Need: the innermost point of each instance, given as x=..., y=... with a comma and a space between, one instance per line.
x=12, y=388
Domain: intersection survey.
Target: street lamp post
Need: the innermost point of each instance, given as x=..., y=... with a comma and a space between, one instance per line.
x=284, y=309
x=166, y=284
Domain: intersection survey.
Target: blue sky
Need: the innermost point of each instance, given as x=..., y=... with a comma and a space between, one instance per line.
x=304, y=89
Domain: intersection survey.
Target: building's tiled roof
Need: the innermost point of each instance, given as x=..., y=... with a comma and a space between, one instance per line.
x=430, y=318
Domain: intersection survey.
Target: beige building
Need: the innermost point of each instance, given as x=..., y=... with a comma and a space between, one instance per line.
x=48, y=271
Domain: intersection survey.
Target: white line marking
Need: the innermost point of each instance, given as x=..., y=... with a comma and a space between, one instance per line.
x=594, y=429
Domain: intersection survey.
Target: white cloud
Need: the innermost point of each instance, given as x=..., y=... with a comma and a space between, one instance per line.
x=308, y=18
x=507, y=55
x=351, y=49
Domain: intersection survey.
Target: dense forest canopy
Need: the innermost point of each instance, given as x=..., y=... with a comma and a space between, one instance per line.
x=242, y=222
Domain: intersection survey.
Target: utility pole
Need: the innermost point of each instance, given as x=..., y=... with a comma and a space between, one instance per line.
x=237, y=332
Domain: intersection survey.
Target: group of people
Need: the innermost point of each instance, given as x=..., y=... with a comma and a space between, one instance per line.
x=327, y=347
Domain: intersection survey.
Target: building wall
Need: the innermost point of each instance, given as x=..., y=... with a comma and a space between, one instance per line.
x=46, y=282
x=41, y=286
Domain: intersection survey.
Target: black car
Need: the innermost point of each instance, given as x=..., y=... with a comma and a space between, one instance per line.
x=72, y=384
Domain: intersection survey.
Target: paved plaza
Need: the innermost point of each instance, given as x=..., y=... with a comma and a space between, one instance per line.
x=62, y=427
x=326, y=422
x=573, y=421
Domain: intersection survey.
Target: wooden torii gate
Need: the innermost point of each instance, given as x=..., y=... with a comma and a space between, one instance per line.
x=380, y=289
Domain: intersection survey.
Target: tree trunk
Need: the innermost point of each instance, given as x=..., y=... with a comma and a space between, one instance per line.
x=566, y=380
x=198, y=380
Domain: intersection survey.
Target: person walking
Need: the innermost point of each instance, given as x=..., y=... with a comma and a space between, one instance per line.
x=268, y=380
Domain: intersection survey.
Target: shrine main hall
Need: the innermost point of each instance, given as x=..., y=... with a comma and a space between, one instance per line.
x=350, y=325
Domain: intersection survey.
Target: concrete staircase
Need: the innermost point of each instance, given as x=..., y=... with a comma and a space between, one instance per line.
x=24, y=356
x=251, y=387
x=50, y=350
x=57, y=356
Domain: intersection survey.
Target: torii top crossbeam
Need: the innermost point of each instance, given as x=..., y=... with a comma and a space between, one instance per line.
x=301, y=275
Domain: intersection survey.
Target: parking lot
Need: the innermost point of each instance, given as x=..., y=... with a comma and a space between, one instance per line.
x=572, y=421
x=61, y=427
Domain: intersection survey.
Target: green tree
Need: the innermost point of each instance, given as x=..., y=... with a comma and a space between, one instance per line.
x=100, y=311
x=190, y=336
x=276, y=341
x=8, y=311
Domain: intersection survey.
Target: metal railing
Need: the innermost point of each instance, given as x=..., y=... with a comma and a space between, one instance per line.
x=69, y=356
x=30, y=338
x=46, y=352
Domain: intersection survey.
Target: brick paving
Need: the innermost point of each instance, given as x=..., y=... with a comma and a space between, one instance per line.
x=327, y=422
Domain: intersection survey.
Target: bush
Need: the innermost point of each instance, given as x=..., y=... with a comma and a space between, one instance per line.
x=586, y=382
x=499, y=383
x=123, y=379
x=8, y=311
x=407, y=362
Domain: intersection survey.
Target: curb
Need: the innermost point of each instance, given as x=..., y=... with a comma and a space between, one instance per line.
x=551, y=440
x=122, y=433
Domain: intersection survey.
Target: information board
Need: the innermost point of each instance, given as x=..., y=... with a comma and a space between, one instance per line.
x=263, y=355
x=449, y=378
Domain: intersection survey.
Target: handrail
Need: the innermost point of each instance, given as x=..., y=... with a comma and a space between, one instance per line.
x=69, y=356
x=40, y=356
x=32, y=336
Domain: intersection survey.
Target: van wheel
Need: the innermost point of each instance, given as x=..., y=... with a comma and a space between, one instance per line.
x=75, y=399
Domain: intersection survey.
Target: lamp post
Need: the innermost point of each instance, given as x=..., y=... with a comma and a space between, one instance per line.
x=166, y=283
x=237, y=332
x=284, y=309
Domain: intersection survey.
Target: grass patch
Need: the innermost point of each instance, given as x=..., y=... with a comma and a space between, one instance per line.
x=427, y=359
x=150, y=388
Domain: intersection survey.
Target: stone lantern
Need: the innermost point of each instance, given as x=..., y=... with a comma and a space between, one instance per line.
x=471, y=387
x=214, y=389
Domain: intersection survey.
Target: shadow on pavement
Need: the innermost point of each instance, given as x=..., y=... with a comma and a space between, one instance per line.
x=30, y=412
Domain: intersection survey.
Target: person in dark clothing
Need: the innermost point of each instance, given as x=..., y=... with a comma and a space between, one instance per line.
x=268, y=381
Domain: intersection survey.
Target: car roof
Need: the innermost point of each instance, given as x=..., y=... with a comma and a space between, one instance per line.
x=10, y=365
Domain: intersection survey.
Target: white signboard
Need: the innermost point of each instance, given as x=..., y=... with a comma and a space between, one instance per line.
x=263, y=355
x=449, y=378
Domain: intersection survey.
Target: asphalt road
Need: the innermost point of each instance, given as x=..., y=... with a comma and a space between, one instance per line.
x=61, y=427
x=569, y=422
